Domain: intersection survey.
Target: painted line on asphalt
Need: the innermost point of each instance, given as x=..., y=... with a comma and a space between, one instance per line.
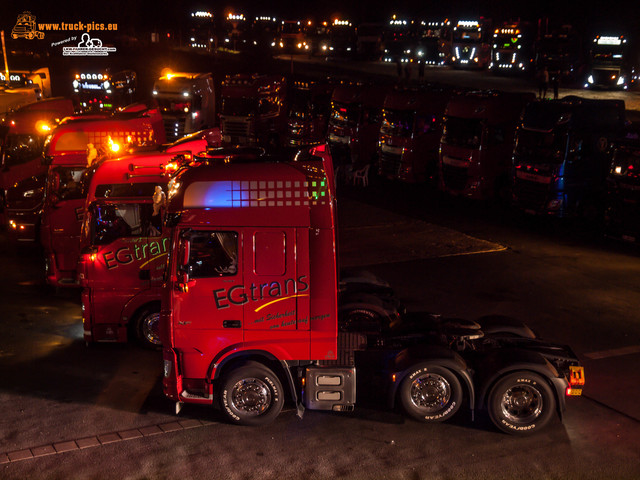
x=477, y=252
x=100, y=440
x=615, y=352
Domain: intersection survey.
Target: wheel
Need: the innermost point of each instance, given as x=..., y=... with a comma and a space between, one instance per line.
x=361, y=320
x=431, y=394
x=147, y=327
x=251, y=395
x=521, y=403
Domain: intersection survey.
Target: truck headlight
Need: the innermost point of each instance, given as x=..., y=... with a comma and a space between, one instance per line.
x=620, y=80
x=590, y=80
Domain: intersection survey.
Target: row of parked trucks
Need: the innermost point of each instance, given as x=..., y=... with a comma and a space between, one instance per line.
x=227, y=258
x=477, y=144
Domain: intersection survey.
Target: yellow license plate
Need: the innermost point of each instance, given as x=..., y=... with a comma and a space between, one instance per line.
x=576, y=378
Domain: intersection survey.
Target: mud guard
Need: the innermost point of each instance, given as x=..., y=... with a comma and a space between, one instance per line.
x=434, y=355
x=502, y=362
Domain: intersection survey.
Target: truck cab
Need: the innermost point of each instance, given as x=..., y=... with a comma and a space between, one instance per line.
x=613, y=63
x=477, y=143
x=291, y=38
x=187, y=102
x=123, y=252
x=622, y=201
x=410, y=134
x=22, y=139
x=254, y=110
x=513, y=50
x=471, y=44
x=309, y=106
x=74, y=146
x=560, y=160
x=354, y=124
x=104, y=91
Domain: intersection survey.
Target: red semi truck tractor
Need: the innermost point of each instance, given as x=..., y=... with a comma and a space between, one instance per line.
x=254, y=111
x=410, y=134
x=22, y=137
x=74, y=146
x=249, y=314
x=477, y=143
x=354, y=124
x=122, y=251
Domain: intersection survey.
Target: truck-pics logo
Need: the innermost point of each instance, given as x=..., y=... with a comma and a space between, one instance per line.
x=88, y=47
x=25, y=27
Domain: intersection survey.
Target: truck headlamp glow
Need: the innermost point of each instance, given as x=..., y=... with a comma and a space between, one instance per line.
x=42, y=126
x=620, y=80
x=590, y=79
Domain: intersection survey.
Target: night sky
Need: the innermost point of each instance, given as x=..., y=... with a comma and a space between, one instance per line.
x=588, y=15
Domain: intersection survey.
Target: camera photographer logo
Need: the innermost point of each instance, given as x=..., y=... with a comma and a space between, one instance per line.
x=88, y=46
x=25, y=27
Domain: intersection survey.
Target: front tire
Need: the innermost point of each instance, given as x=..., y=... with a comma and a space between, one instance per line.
x=431, y=394
x=251, y=395
x=147, y=328
x=521, y=403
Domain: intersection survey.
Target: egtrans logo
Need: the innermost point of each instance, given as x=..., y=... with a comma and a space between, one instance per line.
x=25, y=27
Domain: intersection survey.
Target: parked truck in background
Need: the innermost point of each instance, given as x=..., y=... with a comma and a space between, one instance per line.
x=254, y=110
x=123, y=253
x=410, y=133
x=309, y=107
x=187, y=102
x=22, y=138
x=561, y=158
x=249, y=315
x=613, y=63
x=104, y=91
x=471, y=44
x=354, y=124
x=513, y=49
x=75, y=145
x=477, y=143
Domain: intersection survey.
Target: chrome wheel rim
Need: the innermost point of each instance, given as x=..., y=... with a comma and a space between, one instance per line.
x=151, y=329
x=522, y=404
x=430, y=392
x=251, y=396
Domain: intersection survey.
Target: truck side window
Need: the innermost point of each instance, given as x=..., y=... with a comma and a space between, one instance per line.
x=212, y=254
x=111, y=222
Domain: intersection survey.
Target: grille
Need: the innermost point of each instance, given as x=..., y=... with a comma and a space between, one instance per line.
x=530, y=195
x=454, y=178
x=174, y=128
x=236, y=128
x=390, y=164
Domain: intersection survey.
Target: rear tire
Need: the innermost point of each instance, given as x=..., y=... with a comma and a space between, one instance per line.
x=251, y=394
x=431, y=394
x=521, y=403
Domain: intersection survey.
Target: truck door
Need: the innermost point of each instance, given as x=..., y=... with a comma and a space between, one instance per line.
x=209, y=296
x=276, y=276
x=64, y=218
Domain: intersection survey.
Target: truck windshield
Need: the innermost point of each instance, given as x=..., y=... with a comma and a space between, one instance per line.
x=173, y=105
x=241, y=107
x=397, y=122
x=462, y=132
x=20, y=149
x=467, y=36
x=607, y=54
x=348, y=113
x=541, y=147
x=109, y=222
x=65, y=183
